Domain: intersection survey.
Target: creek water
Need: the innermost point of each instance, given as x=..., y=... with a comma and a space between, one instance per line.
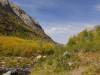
x=14, y=71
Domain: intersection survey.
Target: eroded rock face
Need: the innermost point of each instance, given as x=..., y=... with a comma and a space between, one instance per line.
x=4, y=2
x=33, y=28
x=6, y=5
x=24, y=16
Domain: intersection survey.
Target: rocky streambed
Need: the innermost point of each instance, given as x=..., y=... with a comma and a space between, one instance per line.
x=15, y=65
x=15, y=71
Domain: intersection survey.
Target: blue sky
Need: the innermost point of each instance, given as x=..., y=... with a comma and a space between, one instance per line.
x=62, y=19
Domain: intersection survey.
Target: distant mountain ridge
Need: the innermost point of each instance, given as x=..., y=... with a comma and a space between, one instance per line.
x=15, y=21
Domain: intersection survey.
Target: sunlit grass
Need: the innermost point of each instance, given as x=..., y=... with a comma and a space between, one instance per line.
x=22, y=47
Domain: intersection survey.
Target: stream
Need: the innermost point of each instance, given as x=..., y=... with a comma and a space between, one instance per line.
x=15, y=71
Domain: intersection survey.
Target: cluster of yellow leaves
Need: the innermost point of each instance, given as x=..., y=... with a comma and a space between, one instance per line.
x=24, y=47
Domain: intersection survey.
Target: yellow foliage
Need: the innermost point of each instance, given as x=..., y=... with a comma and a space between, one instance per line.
x=17, y=46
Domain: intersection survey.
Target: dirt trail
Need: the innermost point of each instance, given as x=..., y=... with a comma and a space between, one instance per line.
x=78, y=71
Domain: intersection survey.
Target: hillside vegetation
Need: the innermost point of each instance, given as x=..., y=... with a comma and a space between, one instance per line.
x=10, y=25
x=87, y=40
x=80, y=57
x=14, y=46
x=87, y=47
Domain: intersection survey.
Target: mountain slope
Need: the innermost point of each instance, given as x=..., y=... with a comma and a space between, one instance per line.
x=21, y=36
x=14, y=21
x=87, y=40
x=86, y=46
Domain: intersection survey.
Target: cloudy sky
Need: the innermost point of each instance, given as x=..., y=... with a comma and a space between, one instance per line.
x=63, y=18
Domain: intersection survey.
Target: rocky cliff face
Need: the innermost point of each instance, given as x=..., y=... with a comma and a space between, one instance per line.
x=15, y=21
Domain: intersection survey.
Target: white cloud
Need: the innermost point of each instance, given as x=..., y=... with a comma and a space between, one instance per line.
x=97, y=7
x=71, y=28
x=61, y=29
x=61, y=33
